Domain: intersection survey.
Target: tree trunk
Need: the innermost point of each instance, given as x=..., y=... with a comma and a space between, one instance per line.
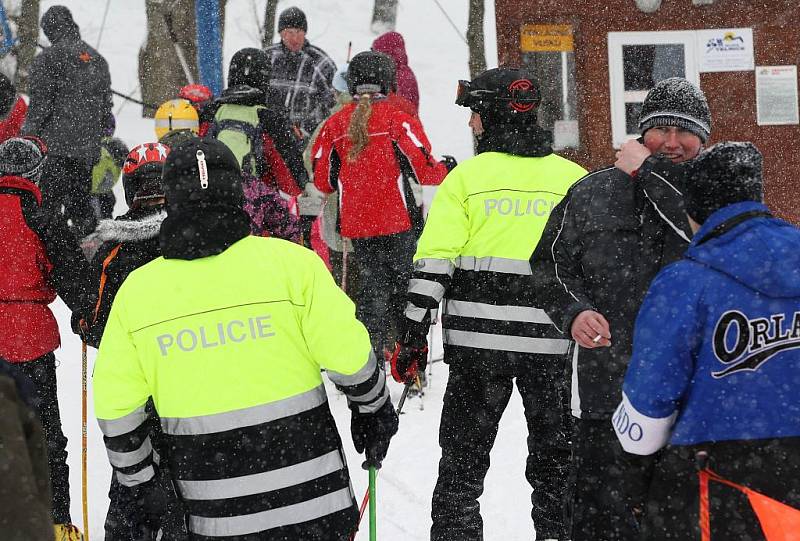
x=475, y=42
x=28, y=34
x=161, y=74
x=384, y=16
x=269, y=23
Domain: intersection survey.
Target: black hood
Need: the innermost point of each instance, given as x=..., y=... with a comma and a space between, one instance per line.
x=528, y=140
x=57, y=24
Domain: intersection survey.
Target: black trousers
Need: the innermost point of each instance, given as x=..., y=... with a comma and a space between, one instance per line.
x=65, y=187
x=608, y=486
x=474, y=401
x=385, y=265
x=771, y=467
x=41, y=373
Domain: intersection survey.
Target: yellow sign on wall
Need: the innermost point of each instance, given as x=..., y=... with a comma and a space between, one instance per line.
x=546, y=38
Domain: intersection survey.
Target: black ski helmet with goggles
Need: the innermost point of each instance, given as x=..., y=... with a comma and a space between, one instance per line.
x=501, y=95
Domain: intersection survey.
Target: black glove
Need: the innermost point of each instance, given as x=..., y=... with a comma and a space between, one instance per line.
x=372, y=432
x=81, y=321
x=410, y=357
x=147, y=509
x=449, y=162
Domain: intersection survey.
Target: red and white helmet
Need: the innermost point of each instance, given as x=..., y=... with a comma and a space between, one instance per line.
x=141, y=172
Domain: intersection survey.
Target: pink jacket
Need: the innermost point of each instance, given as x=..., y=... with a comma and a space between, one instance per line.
x=392, y=44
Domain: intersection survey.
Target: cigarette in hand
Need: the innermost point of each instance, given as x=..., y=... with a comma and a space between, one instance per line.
x=597, y=339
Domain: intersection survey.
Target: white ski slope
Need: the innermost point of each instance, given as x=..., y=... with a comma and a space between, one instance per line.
x=439, y=59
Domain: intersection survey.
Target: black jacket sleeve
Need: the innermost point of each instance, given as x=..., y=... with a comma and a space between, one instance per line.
x=70, y=273
x=663, y=184
x=287, y=144
x=556, y=264
x=43, y=89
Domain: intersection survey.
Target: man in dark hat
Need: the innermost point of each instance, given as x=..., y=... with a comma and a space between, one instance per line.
x=302, y=74
x=602, y=246
x=70, y=91
x=716, y=360
x=232, y=363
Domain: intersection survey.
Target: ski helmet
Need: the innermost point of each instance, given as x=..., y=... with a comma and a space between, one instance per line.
x=198, y=95
x=501, y=95
x=141, y=172
x=177, y=114
x=23, y=157
x=250, y=67
x=370, y=72
x=8, y=95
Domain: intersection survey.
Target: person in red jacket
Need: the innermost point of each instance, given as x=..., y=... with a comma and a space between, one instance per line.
x=393, y=45
x=368, y=152
x=12, y=109
x=39, y=260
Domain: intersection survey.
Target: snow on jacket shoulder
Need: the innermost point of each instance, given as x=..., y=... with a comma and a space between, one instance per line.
x=375, y=197
x=393, y=44
x=717, y=341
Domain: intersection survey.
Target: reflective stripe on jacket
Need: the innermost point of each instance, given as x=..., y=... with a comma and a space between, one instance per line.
x=230, y=348
x=485, y=220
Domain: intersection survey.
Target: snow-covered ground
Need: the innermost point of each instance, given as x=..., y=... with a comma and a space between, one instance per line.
x=439, y=58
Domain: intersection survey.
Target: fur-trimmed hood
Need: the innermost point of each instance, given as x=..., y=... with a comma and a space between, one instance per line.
x=146, y=227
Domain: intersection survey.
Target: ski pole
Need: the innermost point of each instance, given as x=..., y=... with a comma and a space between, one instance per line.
x=134, y=100
x=373, y=505
x=173, y=37
x=367, y=498
x=84, y=483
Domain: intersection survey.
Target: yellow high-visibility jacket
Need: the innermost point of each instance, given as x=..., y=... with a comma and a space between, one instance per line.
x=484, y=223
x=230, y=349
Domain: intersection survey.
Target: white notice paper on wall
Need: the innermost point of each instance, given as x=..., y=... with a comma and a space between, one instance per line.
x=776, y=95
x=725, y=49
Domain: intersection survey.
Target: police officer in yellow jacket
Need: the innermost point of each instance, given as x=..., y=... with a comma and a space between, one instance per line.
x=483, y=225
x=227, y=333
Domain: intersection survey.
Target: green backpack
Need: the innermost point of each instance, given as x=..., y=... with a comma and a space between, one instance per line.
x=238, y=127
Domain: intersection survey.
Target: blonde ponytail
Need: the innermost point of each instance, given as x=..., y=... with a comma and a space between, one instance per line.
x=357, y=131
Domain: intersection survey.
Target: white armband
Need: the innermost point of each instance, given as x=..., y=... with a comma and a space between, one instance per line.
x=638, y=433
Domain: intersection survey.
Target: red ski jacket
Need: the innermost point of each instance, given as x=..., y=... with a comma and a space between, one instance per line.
x=374, y=194
x=12, y=123
x=28, y=328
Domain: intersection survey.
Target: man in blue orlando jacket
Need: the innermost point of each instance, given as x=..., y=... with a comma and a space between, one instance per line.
x=716, y=357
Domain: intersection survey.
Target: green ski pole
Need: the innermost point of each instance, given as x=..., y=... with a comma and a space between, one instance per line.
x=373, y=506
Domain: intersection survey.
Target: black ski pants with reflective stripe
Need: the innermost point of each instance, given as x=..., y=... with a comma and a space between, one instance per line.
x=41, y=373
x=474, y=402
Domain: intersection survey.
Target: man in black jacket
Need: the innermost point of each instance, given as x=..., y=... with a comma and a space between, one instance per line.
x=602, y=246
x=70, y=107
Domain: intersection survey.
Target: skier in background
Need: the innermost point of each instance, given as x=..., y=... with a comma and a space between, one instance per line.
x=301, y=74
x=393, y=44
x=485, y=221
x=40, y=258
x=70, y=102
x=362, y=152
x=259, y=135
